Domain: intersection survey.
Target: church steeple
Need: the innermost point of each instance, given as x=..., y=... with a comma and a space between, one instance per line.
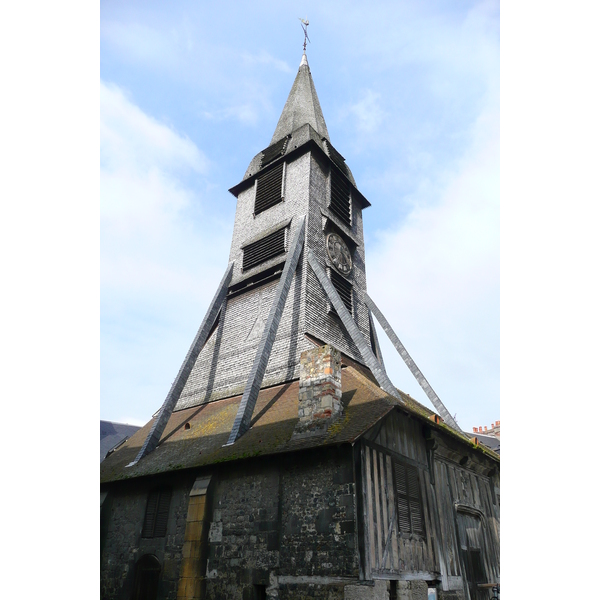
x=296, y=275
x=301, y=107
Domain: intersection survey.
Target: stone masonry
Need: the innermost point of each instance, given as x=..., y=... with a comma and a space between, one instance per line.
x=320, y=395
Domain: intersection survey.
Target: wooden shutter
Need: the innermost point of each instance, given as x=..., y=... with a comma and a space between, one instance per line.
x=340, y=197
x=162, y=513
x=337, y=158
x=268, y=189
x=157, y=513
x=264, y=249
x=408, y=499
x=343, y=287
x=150, y=518
x=274, y=151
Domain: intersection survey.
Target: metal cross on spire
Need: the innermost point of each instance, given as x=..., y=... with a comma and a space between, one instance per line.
x=304, y=25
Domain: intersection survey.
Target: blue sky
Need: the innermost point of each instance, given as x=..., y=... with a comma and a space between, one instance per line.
x=176, y=134
x=191, y=91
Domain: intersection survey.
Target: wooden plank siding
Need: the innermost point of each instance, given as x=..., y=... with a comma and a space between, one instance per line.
x=392, y=553
x=458, y=487
x=458, y=490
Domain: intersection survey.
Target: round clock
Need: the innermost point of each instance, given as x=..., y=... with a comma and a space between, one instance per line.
x=339, y=253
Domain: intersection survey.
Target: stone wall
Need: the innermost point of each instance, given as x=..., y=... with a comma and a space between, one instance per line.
x=287, y=525
x=123, y=517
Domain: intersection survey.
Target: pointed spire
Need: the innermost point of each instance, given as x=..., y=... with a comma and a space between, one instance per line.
x=301, y=107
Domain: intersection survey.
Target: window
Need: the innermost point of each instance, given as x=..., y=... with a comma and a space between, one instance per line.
x=343, y=287
x=264, y=249
x=268, y=189
x=408, y=499
x=157, y=513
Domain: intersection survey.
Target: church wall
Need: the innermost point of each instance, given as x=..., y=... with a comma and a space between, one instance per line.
x=287, y=524
x=455, y=484
x=392, y=553
x=222, y=367
x=460, y=486
x=123, y=545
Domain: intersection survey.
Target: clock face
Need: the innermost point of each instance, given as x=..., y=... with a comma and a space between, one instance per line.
x=339, y=253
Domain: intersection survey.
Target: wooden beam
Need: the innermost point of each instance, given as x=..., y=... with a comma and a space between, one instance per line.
x=200, y=340
x=353, y=330
x=410, y=363
x=241, y=423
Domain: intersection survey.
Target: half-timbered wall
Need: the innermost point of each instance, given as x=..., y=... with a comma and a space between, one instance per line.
x=390, y=553
x=459, y=490
x=459, y=504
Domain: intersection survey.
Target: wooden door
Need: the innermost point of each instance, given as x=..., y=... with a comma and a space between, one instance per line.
x=472, y=549
x=147, y=573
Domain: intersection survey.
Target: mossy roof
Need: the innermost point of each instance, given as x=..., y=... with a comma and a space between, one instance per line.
x=195, y=437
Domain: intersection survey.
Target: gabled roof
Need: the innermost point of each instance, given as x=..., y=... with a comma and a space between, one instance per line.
x=301, y=107
x=272, y=428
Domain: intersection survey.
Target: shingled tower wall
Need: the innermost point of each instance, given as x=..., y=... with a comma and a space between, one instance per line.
x=306, y=159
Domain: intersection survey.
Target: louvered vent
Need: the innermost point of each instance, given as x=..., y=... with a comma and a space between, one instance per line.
x=268, y=189
x=343, y=287
x=408, y=498
x=157, y=513
x=337, y=158
x=274, y=151
x=268, y=247
x=340, y=197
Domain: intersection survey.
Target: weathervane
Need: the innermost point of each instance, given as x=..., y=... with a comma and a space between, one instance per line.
x=304, y=25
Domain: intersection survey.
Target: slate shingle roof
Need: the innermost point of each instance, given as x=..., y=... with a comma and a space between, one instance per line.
x=112, y=434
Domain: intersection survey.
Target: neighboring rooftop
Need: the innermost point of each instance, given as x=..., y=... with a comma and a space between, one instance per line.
x=113, y=434
x=490, y=437
x=493, y=430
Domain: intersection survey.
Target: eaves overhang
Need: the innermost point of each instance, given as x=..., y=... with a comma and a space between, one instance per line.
x=309, y=146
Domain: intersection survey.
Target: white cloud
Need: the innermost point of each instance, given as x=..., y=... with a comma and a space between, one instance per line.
x=131, y=139
x=367, y=112
x=436, y=278
x=158, y=235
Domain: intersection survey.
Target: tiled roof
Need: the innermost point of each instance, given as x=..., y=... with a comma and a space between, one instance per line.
x=272, y=431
